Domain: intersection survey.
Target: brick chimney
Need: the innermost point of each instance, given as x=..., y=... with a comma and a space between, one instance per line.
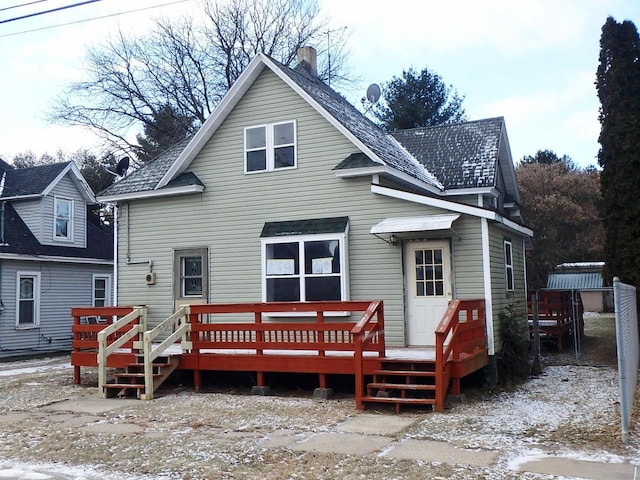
x=308, y=59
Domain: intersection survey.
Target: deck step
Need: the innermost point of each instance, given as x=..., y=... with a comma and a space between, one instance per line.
x=401, y=400
x=405, y=373
x=401, y=386
x=122, y=386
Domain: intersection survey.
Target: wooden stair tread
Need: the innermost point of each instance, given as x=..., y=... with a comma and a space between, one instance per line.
x=416, y=401
x=406, y=373
x=402, y=386
x=122, y=386
x=133, y=375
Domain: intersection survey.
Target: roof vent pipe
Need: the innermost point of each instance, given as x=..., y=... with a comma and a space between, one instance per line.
x=308, y=59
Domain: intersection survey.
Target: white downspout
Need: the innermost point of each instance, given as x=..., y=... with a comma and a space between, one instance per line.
x=486, y=270
x=115, y=254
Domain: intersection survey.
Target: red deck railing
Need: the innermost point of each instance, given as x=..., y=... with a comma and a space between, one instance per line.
x=460, y=333
x=87, y=323
x=264, y=330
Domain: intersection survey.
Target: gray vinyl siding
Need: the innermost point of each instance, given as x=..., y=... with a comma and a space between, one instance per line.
x=38, y=214
x=502, y=299
x=31, y=213
x=66, y=189
x=227, y=218
x=62, y=286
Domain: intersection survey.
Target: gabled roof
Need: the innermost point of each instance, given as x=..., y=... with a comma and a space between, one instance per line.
x=38, y=181
x=380, y=148
x=461, y=155
x=19, y=240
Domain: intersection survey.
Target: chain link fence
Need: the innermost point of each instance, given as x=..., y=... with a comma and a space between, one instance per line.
x=626, y=314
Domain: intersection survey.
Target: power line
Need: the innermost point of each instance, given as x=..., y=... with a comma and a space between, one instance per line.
x=22, y=5
x=73, y=5
x=92, y=19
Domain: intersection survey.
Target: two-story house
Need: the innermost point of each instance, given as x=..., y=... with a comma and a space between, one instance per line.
x=288, y=193
x=54, y=254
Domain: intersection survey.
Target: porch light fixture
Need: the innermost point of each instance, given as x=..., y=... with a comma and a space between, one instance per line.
x=393, y=240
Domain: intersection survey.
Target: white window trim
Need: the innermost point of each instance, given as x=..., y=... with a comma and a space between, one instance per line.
x=508, y=267
x=36, y=293
x=270, y=147
x=107, y=277
x=301, y=239
x=68, y=238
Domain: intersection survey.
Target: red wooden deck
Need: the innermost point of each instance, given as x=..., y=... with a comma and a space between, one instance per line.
x=286, y=337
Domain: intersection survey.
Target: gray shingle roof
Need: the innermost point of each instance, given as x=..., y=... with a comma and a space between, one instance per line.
x=31, y=181
x=360, y=126
x=147, y=177
x=460, y=155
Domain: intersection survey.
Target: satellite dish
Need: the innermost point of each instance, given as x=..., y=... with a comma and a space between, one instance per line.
x=123, y=166
x=373, y=93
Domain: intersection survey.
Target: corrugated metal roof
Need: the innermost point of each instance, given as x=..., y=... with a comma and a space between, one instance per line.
x=574, y=281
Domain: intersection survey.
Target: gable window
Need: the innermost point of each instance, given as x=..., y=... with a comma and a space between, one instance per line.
x=307, y=267
x=191, y=273
x=63, y=219
x=28, y=300
x=270, y=147
x=101, y=290
x=508, y=265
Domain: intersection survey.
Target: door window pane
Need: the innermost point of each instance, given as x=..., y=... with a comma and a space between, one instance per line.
x=191, y=276
x=429, y=273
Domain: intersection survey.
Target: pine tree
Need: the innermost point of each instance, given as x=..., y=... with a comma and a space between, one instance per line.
x=618, y=86
x=418, y=99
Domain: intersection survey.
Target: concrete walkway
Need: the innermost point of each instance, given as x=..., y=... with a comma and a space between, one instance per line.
x=365, y=434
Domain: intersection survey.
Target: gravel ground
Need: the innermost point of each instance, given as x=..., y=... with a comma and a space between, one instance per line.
x=570, y=410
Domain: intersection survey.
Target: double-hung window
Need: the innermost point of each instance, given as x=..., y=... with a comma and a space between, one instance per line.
x=310, y=266
x=508, y=265
x=28, y=300
x=101, y=290
x=63, y=219
x=270, y=147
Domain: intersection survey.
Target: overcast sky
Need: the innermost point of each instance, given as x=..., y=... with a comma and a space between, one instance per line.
x=532, y=62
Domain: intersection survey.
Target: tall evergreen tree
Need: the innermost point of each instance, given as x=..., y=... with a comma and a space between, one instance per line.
x=618, y=86
x=418, y=99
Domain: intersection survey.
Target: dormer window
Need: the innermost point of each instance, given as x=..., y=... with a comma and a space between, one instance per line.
x=270, y=147
x=63, y=219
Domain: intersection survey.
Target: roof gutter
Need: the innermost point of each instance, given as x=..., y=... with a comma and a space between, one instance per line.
x=452, y=206
x=164, y=192
x=56, y=259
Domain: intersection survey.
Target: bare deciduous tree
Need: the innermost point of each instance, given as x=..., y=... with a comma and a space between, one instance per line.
x=187, y=66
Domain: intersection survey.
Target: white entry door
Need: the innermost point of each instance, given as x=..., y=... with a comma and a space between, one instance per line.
x=428, y=274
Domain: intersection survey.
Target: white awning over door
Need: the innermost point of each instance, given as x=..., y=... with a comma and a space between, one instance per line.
x=415, y=224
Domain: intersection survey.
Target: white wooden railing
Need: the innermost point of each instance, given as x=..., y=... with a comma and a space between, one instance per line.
x=179, y=327
x=104, y=350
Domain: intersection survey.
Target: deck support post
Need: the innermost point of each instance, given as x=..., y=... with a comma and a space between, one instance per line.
x=197, y=380
x=323, y=380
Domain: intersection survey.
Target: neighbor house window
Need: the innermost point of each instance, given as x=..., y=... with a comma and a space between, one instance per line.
x=101, y=290
x=270, y=147
x=28, y=300
x=63, y=219
x=307, y=267
x=508, y=265
x=191, y=273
